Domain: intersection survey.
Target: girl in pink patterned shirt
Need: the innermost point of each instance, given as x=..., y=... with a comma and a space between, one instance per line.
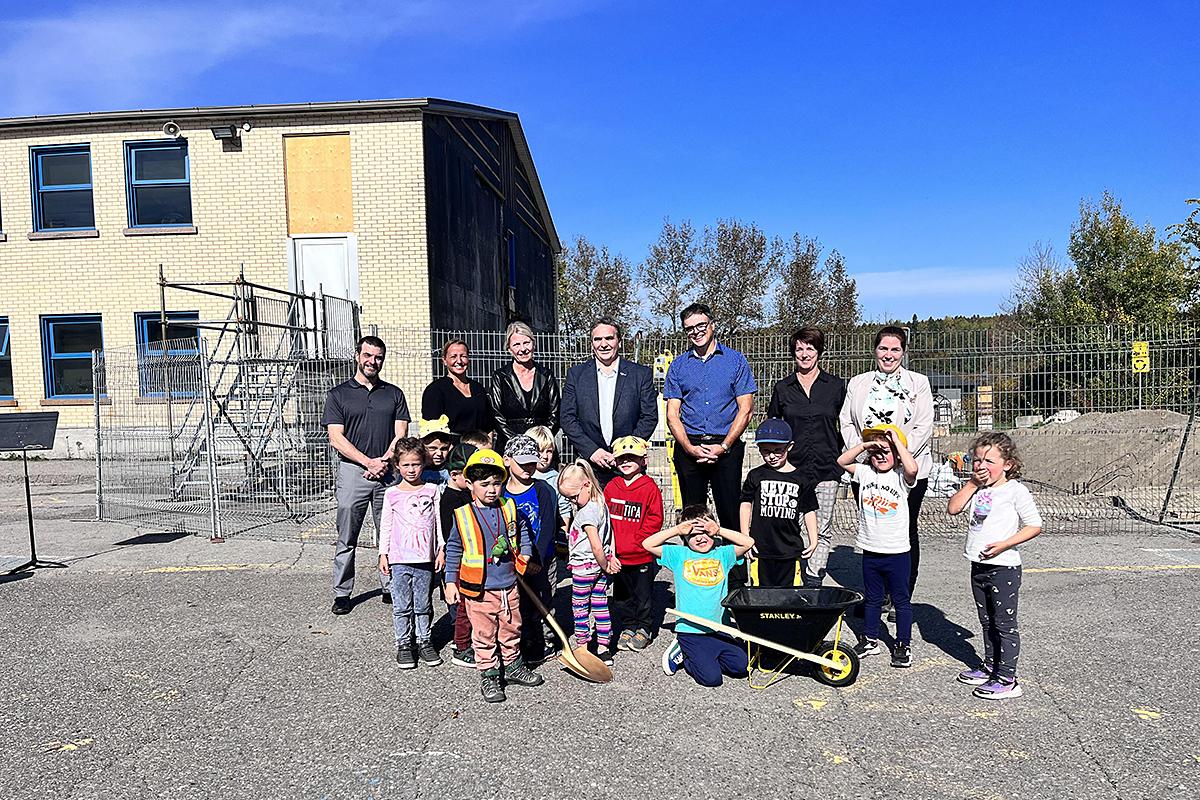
x=410, y=551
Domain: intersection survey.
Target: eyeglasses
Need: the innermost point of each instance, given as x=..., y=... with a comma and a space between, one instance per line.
x=697, y=329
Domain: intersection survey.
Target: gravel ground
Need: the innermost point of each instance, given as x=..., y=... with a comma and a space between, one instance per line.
x=166, y=666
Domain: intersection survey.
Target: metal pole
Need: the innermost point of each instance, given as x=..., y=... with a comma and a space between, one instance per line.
x=96, y=413
x=166, y=372
x=214, y=500
x=29, y=510
x=1187, y=432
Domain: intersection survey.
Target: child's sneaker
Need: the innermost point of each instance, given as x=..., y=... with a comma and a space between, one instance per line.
x=624, y=639
x=998, y=689
x=606, y=653
x=405, y=658
x=867, y=647
x=974, y=677
x=521, y=675
x=463, y=658
x=902, y=655
x=640, y=640
x=429, y=654
x=493, y=691
x=672, y=658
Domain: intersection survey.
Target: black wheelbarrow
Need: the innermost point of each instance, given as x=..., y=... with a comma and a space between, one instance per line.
x=794, y=621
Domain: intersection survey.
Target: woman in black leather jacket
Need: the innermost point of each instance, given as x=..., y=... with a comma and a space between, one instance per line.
x=523, y=393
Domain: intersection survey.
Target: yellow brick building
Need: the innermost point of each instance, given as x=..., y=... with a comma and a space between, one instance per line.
x=427, y=212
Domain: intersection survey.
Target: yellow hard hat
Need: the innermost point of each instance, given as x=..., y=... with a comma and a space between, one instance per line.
x=881, y=431
x=486, y=458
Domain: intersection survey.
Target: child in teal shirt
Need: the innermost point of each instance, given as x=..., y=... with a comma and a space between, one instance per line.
x=701, y=569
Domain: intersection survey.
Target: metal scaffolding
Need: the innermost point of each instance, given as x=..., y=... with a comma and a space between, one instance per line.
x=219, y=432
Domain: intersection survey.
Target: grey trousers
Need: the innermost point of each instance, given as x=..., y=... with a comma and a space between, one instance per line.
x=814, y=568
x=355, y=494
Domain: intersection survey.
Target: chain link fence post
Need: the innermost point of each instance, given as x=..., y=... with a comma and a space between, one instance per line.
x=209, y=446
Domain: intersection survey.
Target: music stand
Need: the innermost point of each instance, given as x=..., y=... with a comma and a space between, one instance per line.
x=25, y=432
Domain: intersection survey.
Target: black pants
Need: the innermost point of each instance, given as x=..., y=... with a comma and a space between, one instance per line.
x=636, y=583
x=724, y=478
x=996, y=588
x=915, y=496
x=777, y=571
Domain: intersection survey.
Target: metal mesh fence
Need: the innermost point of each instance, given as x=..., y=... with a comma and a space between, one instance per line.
x=1106, y=448
x=222, y=434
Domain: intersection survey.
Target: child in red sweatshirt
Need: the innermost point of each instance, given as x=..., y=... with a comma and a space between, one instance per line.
x=636, y=507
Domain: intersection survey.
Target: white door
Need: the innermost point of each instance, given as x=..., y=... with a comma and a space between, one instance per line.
x=326, y=263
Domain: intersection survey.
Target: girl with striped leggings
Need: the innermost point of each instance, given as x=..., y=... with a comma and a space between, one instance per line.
x=592, y=560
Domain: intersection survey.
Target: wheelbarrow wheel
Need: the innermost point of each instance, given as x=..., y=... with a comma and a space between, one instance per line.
x=847, y=660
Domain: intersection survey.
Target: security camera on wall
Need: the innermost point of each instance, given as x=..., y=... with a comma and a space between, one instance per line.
x=172, y=129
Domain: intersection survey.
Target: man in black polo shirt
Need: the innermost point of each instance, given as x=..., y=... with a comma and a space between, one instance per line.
x=365, y=416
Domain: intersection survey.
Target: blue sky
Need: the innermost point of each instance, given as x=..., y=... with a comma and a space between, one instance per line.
x=932, y=143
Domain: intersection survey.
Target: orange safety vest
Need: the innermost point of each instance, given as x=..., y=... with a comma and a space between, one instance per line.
x=471, y=570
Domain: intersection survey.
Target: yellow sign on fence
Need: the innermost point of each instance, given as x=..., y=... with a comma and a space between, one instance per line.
x=1141, y=356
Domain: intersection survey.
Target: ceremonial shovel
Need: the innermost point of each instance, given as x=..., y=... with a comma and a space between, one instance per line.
x=578, y=661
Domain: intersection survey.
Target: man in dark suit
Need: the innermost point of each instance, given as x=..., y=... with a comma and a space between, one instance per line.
x=606, y=398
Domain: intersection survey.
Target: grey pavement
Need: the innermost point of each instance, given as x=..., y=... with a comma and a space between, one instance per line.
x=166, y=666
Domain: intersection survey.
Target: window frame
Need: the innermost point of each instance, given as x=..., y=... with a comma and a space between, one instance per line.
x=6, y=355
x=49, y=356
x=35, y=169
x=132, y=184
x=148, y=350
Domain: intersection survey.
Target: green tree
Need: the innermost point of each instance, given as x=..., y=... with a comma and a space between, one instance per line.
x=844, y=310
x=669, y=272
x=802, y=297
x=592, y=282
x=1120, y=272
x=738, y=265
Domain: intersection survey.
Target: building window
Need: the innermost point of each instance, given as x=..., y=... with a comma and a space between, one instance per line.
x=67, y=345
x=175, y=366
x=62, y=188
x=6, y=378
x=158, y=184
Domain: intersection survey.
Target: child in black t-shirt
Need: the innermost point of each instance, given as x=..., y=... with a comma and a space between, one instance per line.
x=778, y=508
x=457, y=494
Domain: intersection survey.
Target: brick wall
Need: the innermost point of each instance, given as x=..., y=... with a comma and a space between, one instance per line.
x=239, y=212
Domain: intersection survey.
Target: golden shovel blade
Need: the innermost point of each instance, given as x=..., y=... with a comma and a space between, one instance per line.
x=586, y=665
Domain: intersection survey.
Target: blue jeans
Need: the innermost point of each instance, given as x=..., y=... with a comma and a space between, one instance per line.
x=708, y=656
x=890, y=572
x=412, y=587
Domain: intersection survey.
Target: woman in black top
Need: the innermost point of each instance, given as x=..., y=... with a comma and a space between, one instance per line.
x=523, y=393
x=461, y=398
x=810, y=400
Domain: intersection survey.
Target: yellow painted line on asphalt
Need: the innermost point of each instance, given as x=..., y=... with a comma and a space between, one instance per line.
x=213, y=568
x=1117, y=568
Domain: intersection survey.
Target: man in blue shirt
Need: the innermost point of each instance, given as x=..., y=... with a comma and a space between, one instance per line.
x=710, y=395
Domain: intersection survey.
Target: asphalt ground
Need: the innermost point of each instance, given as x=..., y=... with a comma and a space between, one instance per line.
x=156, y=665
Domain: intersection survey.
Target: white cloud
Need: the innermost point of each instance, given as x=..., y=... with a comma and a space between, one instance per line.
x=107, y=57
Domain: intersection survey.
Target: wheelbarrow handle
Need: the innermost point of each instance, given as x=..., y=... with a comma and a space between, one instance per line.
x=746, y=637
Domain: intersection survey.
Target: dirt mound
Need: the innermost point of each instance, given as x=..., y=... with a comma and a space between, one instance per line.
x=1101, y=453
x=1141, y=420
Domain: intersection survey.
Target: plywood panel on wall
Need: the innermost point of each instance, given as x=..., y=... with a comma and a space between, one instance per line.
x=317, y=170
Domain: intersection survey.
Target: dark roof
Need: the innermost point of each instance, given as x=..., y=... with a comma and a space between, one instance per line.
x=249, y=112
